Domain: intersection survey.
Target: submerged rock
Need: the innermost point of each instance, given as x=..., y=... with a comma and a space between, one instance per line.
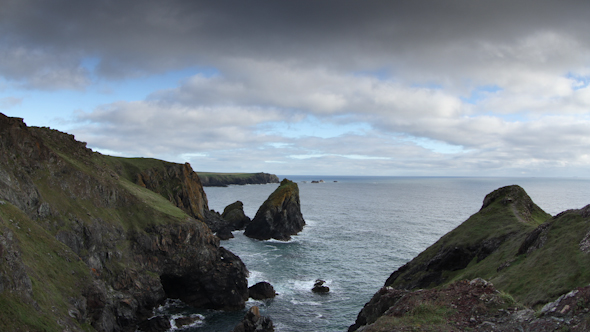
x=280, y=216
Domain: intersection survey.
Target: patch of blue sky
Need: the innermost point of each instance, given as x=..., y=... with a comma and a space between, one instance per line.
x=311, y=126
x=509, y=117
x=57, y=108
x=382, y=74
x=581, y=81
x=480, y=93
x=427, y=85
x=436, y=145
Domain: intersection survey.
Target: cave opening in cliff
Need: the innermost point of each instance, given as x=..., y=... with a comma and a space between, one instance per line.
x=184, y=288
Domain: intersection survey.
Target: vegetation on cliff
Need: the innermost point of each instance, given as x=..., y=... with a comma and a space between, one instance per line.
x=510, y=242
x=91, y=242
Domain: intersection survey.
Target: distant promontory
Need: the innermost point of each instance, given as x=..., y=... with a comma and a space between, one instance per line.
x=209, y=179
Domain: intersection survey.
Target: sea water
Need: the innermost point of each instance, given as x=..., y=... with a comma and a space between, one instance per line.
x=358, y=231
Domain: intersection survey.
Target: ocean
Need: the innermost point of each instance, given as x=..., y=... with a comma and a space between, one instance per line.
x=358, y=231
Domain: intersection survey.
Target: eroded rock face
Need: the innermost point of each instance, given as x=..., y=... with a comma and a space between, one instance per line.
x=180, y=184
x=280, y=216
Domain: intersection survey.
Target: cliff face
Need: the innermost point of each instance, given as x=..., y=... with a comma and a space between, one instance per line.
x=510, y=242
x=280, y=216
x=225, y=179
x=86, y=246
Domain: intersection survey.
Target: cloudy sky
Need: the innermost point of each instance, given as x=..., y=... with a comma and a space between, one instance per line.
x=436, y=88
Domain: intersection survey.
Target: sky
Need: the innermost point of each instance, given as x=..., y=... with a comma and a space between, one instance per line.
x=309, y=87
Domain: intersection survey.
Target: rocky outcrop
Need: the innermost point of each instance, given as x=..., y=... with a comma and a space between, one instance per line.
x=254, y=322
x=107, y=250
x=507, y=215
x=474, y=305
x=226, y=179
x=280, y=216
x=234, y=214
x=262, y=291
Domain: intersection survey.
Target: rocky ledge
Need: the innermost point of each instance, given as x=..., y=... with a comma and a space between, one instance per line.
x=280, y=216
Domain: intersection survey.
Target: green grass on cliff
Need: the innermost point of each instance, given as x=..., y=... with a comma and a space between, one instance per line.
x=56, y=273
x=130, y=167
x=556, y=268
x=153, y=200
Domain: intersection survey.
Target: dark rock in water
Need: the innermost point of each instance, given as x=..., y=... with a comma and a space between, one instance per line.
x=155, y=324
x=254, y=322
x=279, y=217
x=262, y=290
x=318, y=287
x=235, y=216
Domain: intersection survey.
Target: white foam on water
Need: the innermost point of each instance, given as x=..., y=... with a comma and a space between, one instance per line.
x=200, y=320
x=296, y=302
x=255, y=277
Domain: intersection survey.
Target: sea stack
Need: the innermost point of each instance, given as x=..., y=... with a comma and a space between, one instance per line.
x=280, y=216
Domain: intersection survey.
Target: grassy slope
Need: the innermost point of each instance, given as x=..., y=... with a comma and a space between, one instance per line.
x=57, y=273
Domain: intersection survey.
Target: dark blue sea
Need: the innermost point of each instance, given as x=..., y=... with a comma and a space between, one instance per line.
x=359, y=230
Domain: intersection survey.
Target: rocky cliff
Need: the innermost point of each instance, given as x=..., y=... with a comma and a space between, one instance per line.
x=90, y=242
x=226, y=179
x=280, y=216
x=525, y=253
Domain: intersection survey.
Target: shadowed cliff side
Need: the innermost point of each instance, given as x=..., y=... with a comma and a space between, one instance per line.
x=88, y=249
x=279, y=217
x=510, y=242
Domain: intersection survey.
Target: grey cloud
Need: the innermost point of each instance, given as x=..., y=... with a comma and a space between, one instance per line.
x=8, y=102
x=414, y=37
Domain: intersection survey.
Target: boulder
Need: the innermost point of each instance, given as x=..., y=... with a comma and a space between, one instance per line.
x=254, y=322
x=262, y=290
x=280, y=216
x=235, y=216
